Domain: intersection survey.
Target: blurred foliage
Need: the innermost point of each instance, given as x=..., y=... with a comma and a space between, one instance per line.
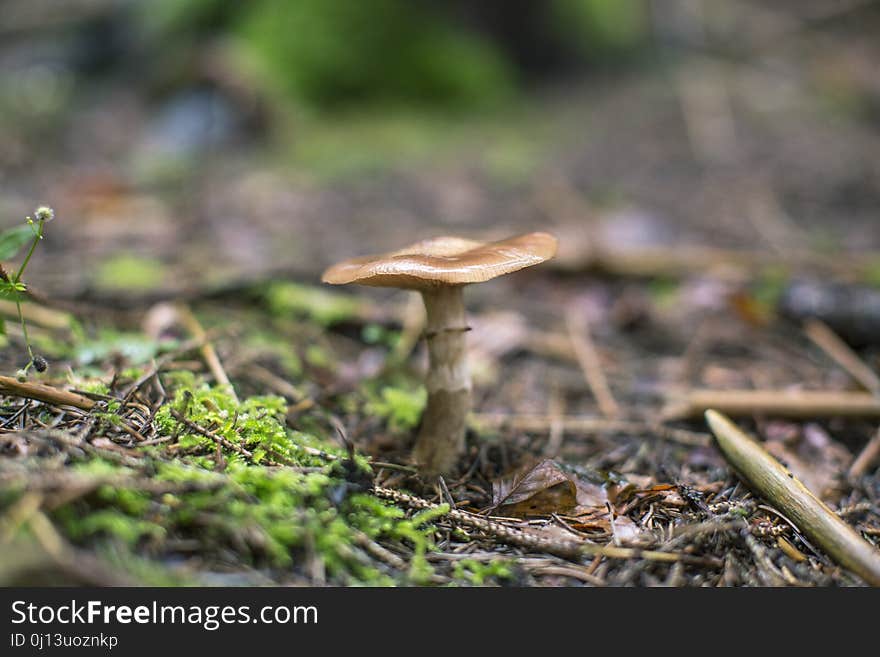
x=323, y=306
x=332, y=53
x=600, y=28
x=326, y=52
x=401, y=407
x=130, y=272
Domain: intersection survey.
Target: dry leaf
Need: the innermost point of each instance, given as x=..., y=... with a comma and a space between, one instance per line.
x=625, y=530
x=544, y=489
x=540, y=490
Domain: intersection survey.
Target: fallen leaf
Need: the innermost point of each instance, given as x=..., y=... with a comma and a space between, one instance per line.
x=539, y=490
x=625, y=530
x=544, y=489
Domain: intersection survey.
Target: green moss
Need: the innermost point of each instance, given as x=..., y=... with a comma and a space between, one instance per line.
x=378, y=334
x=255, y=424
x=322, y=306
x=872, y=273
x=401, y=407
x=276, y=518
x=135, y=348
x=130, y=272
x=111, y=522
x=769, y=287
x=480, y=573
x=270, y=344
x=664, y=292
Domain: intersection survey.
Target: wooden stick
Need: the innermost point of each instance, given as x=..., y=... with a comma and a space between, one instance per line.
x=44, y=393
x=40, y=315
x=212, y=360
x=531, y=540
x=689, y=259
x=586, y=424
x=769, y=479
x=866, y=458
x=840, y=352
x=782, y=403
x=591, y=366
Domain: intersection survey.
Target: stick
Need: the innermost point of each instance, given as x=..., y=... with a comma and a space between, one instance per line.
x=39, y=315
x=591, y=366
x=212, y=360
x=532, y=541
x=866, y=458
x=769, y=479
x=782, y=403
x=840, y=352
x=216, y=437
x=645, y=262
x=586, y=424
x=44, y=393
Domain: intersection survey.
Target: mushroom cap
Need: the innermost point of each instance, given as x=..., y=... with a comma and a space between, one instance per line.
x=444, y=261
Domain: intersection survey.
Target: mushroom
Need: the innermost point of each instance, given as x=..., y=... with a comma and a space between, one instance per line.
x=439, y=269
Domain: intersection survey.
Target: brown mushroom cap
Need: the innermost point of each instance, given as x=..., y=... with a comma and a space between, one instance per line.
x=444, y=261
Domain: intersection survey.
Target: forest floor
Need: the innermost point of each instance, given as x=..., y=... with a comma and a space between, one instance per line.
x=701, y=210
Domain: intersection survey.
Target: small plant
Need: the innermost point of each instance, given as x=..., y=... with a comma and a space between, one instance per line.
x=12, y=288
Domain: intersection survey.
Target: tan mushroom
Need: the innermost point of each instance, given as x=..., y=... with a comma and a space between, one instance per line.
x=439, y=269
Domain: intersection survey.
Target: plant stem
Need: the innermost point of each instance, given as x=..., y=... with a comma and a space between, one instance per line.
x=15, y=281
x=27, y=342
x=30, y=252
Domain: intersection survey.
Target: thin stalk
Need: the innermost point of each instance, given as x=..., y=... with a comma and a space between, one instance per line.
x=27, y=342
x=16, y=279
x=30, y=252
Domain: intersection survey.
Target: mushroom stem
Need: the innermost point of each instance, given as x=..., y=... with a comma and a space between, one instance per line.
x=441, y=438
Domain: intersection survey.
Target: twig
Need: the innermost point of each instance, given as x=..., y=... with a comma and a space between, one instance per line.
x=866, y=458
x=41, y=316
x=44, y=393
x=216, y=437
x=591, y=366
x=777, y=485
x=767, y=571
x=556, y=411
x=212, y=360
x=587, y=425
x=782, y=403
x=689, y=259
x=276, y=383
x=840, y=353
x=534, y=542
x=159, y=363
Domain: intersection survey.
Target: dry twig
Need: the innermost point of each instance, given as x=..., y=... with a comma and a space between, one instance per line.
x=530, y=540
x=212, y=360
x=780, y=403
x=591, y=366
x=587, y=425
x=44, y=393
x=840, y=352
x=777, y=485
x=866, y=458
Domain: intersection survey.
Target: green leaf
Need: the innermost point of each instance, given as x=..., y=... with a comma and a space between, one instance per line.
x=2, y=326
x=12, y=240
x=9, y=293
x=12, y=291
